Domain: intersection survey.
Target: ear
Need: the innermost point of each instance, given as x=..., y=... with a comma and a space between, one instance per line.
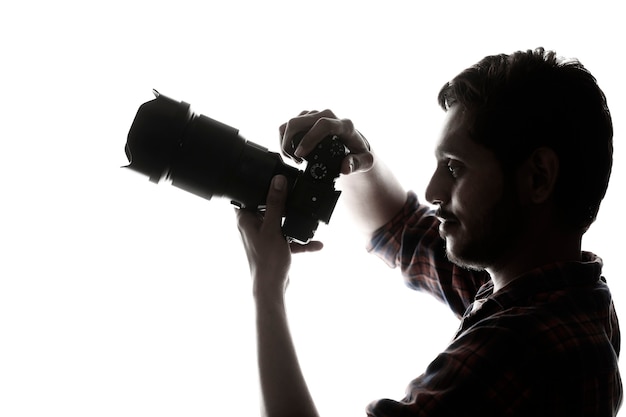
x=540, y=172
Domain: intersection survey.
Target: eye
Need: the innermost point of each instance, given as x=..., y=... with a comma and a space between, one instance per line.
x=455, y=168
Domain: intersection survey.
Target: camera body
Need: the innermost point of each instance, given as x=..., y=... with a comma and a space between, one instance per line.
x=169, y=142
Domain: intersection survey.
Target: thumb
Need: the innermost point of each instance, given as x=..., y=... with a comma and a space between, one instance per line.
x=357, y=162
x=275, y=203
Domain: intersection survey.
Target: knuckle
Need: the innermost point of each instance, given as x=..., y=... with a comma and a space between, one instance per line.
x=328, y=113
x=348, y=125
x=327, y=124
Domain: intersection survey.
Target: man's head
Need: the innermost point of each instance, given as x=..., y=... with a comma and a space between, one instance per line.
x=529, y=100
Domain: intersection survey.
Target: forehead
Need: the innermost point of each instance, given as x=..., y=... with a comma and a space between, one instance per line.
x=455, y=140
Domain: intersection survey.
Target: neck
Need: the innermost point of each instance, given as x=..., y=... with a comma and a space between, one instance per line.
x=533, y=252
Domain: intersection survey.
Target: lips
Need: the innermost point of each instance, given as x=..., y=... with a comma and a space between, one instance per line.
x=447, y=222
x=445, y=216
x=446, y=227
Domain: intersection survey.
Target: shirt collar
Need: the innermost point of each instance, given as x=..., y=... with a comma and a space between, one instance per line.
x=545, y=279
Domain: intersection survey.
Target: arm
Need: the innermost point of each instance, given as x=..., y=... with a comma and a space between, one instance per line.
x=283, y=388
x=372, y=193
x=370, y=190
x=373, y=196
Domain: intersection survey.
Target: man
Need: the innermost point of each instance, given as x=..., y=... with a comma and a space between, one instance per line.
x=523, y=163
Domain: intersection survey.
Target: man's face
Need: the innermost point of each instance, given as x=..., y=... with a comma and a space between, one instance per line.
x=480, y=216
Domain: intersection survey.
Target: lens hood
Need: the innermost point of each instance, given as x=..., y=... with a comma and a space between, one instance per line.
x=154, y=135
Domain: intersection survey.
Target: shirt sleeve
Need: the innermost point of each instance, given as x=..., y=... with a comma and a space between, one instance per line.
x=411, y=241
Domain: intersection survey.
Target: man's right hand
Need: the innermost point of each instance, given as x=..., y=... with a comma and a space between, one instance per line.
x=372, y=194
x=318, y=125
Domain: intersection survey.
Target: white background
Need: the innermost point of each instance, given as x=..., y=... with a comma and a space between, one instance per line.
x=122, y=298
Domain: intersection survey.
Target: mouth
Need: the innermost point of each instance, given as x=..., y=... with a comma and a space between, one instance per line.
x=447, y=222
x=447, y=227
x=445, y=216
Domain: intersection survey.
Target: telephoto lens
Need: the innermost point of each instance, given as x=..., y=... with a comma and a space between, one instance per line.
x=169, y=142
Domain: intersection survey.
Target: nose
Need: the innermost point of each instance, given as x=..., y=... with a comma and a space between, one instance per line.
x=437, y=191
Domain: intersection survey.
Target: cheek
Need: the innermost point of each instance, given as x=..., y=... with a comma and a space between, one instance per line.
x=472, y=201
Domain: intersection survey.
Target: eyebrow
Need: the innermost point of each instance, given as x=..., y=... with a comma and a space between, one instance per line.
x=448, y=150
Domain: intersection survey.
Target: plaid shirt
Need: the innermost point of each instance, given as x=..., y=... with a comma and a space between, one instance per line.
x=545, y=345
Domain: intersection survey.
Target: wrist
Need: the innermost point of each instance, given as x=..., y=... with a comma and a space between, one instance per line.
x=269, y=306
x=268, y=294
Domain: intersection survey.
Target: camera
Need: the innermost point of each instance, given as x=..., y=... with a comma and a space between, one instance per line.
x=167, y=141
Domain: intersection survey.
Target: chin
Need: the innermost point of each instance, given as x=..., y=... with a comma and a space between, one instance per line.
x=466, y=258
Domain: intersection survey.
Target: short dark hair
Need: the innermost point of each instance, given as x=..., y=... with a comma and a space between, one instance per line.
x=533, y=98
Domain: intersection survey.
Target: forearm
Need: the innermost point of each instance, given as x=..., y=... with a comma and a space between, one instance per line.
x=373, y=197
x=283, y=388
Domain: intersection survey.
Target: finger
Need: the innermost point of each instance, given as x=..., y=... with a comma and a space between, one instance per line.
x=357, y=162
x=300, y=124
x=275, y=203
x=312, y=246
x=281, y=128
x=325, y=126
x=286, y=144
